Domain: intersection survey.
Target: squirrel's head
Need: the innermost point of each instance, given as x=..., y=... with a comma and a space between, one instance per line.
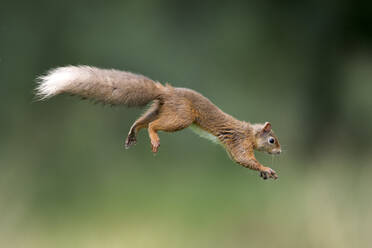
x=266, y=140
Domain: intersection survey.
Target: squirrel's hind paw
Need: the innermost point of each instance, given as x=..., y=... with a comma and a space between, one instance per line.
x=131, y=140
x=155, y=146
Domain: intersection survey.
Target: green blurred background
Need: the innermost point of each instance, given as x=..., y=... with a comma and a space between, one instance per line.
x=67, y=181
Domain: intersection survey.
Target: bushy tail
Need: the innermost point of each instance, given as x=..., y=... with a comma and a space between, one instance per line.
x=108, y=86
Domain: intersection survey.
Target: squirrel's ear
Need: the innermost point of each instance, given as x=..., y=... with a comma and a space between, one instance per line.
x=267, y=127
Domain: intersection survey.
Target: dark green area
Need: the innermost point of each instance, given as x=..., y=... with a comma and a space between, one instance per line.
x=66, y=180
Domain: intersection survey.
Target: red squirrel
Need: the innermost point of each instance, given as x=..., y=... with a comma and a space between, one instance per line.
x=172, y=109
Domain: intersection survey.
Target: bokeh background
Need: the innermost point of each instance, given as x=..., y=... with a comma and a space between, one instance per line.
x=67, y=181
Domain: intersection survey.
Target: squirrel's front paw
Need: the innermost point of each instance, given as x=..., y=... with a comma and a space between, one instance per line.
x=267, y=172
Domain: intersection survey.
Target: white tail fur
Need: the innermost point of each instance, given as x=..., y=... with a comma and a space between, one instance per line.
x=56, y=80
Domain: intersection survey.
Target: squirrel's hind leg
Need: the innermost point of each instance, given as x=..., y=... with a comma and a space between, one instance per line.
x=168, y=121
x=142, y=122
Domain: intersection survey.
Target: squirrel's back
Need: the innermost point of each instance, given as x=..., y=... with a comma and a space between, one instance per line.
x=208, y=115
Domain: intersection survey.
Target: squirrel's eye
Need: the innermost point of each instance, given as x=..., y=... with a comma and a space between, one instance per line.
x=271, y=140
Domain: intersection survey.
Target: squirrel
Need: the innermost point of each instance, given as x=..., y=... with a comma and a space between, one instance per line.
x=172, y=109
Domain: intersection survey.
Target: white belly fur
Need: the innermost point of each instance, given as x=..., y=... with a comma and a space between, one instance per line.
x=204, y=134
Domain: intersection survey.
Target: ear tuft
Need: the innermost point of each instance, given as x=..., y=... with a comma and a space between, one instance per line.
x=267, y=127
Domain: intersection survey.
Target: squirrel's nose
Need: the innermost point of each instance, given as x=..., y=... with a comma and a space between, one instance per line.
x=279, y=151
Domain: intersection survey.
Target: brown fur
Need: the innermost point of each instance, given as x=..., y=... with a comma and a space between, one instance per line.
x=174, y=109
